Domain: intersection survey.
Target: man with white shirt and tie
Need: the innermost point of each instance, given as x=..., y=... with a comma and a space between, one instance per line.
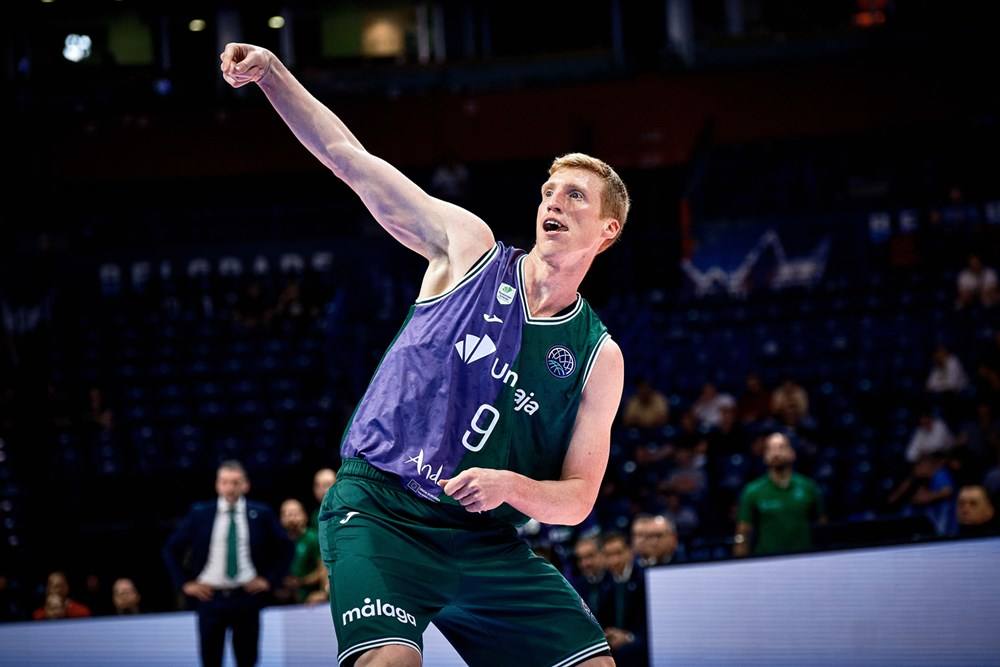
x=238, y=552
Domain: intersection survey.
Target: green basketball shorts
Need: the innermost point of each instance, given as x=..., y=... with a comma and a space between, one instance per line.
x=398, y=562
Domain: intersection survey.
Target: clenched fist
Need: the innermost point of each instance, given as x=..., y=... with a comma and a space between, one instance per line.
x=244, y=63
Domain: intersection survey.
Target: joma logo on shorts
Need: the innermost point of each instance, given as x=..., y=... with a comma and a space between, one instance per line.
x=377, y=608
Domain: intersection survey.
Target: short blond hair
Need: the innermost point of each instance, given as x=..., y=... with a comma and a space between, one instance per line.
x=614, y=199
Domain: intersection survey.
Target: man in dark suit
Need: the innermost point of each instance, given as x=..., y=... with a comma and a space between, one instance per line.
x=623, y=605
x=233, y=552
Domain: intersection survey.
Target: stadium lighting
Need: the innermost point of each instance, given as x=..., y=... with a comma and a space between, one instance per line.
x=47, y=2
x=276, y=22
x=196, y=25
x=76, y=47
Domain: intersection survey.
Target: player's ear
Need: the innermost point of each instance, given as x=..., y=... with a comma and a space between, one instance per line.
x=609, y=232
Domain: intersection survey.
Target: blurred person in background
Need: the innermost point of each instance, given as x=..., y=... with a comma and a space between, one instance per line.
x=654, y=540
x=708, y=408
x=975, y=513
x=646, y=408
x=790, y=402
x=623, y=608
x=306, y=570
x=729, y=436
x=931, y=436
x=977, y=284
x=57, y=585
x=929, y=491
x=55, y=608
x=755, y=402
x=225, y=556
x=322, y=481
x=776, y=511
x=592, y=578
x=947, y=375
x=125, y=597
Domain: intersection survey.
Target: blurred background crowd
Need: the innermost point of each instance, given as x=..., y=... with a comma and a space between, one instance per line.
x=806, y=295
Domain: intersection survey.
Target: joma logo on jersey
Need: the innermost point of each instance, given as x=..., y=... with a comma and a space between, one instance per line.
x=377, y=608
x=522, y=399
x=425, y=469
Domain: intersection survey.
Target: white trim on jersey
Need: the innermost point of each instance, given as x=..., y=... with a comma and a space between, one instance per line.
x=545, y=321
x=589, y=366
x=476, y=269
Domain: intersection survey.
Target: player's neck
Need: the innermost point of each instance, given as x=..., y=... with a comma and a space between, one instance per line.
x=551, y=284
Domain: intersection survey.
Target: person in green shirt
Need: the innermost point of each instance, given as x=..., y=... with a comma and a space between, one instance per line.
x=777, y=510
x=306, y=571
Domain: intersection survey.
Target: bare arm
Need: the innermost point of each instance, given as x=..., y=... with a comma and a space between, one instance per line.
x=448, y=236
x=568, y=500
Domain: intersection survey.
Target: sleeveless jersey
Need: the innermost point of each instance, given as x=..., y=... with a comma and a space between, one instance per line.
x=473, y=380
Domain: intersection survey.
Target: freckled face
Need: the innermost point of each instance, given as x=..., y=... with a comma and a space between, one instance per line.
x=569, y=214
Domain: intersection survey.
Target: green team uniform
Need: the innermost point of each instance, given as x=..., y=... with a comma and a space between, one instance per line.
x=471, y=380
x=781, y=517
x=304, y=560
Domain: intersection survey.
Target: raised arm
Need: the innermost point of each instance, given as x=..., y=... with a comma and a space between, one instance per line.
x=568, y=500
x=448, y=236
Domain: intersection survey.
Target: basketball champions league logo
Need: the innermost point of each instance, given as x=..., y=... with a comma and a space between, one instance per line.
x=560, y=361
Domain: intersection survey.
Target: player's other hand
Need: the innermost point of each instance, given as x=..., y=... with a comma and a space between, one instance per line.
x=478, y=489
x=244, y=63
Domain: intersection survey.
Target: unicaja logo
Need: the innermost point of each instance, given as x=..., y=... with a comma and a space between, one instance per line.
x=474, y=348
x=377, y=608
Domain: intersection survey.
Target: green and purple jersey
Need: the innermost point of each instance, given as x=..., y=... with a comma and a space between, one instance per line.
x=473, y=380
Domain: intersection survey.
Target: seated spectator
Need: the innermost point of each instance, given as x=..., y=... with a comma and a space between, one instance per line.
x=977, y=284
x=322, y=481
x=304, y=575
x=688, y=478
x=755, y=403
x=125, y=597
x=707, y=409
x=654, y=540
x=623, y=607
x=684, y=517
x=947, y=374
x=932, y=435
x=646, y=408
x=592, y=578
x=729, y=436
x=98, y=414
x=776, y=510
x=57, y=586
x=975, y=513
x=790, y=402
x=928, y=491
x=55, y=608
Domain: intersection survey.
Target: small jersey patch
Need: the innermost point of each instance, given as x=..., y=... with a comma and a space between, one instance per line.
x=560, y=361
x=505, y=294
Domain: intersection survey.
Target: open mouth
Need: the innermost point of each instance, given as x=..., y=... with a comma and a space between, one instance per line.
x=552, y=225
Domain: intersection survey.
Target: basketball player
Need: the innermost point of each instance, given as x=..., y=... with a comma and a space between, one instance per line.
x=494, y=403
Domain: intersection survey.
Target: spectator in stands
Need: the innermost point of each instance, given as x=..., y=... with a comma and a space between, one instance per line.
x=932, y=435
x=977, y=284
x=55, y=608
x=98, y=414
x=322, y=481
x=929, y=491
x=238, y=552
x=975, y=445
x=776, y=510
x=592, y=579
x=947, y=375
x=125, y=597
x=688, y=478
x=646, y=408
x=654, y=540
x=684, y=517
x=252, y=309
x=306, y=571
x=707, y=409
x=729, y=436
x=790, y=402
x=623, y=609
x=755, y=403
x=57, y=586
x=975, y=513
